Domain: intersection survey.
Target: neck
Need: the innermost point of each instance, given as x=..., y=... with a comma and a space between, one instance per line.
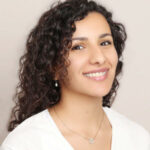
x=78, y=110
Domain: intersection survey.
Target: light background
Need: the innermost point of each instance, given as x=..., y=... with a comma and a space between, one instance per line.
x=18, y=17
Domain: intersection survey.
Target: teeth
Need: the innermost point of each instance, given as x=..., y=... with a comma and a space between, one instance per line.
x=97, y=74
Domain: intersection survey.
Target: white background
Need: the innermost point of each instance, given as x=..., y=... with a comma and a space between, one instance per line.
x=17, y=18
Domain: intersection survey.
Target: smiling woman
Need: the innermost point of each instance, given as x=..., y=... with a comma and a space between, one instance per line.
x=68, y=82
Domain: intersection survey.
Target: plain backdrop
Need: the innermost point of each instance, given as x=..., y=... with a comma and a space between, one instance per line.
x=18, y=17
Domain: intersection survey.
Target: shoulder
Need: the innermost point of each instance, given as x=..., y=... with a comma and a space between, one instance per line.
x=30, y=132
x=128, y=130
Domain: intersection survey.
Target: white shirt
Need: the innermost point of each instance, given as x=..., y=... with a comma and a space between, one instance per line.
x=39, y=132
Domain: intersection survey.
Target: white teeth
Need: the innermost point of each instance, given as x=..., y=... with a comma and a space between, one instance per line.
x=97, y=74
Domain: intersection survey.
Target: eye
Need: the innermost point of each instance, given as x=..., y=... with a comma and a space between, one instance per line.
x=106, y=43
x=77, y=47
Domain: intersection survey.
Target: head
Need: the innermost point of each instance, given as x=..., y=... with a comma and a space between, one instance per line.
x=92, y=50
x=54, y=53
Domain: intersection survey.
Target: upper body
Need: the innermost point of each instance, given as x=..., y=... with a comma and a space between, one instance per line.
x=71, y=64
x=40, y=132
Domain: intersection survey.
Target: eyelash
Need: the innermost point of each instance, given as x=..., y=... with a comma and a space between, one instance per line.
x=108, y=43
x=76, y=47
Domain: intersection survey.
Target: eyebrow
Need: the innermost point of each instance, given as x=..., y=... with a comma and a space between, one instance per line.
x=85, y=38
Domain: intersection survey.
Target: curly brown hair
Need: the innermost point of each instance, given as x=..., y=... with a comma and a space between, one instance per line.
x=46, y=55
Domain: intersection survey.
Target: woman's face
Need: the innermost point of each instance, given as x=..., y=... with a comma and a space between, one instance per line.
x=93, y=58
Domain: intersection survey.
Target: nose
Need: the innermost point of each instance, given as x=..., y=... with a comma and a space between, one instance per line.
x=96, y=56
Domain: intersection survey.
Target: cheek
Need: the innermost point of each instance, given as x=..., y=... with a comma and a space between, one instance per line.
x=76, y=64
x=113, y=58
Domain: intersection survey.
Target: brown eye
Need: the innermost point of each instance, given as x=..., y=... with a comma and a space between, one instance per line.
x=77, y=47
x=105, y=43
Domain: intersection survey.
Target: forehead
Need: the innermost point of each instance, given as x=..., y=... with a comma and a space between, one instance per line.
x=94, y=23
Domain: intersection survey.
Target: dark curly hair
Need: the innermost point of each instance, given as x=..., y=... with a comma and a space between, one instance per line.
x=46, y=55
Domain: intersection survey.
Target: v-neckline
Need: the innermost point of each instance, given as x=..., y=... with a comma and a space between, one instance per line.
x=106, y=110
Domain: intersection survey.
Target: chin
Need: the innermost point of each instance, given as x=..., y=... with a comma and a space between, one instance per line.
x=99, y=93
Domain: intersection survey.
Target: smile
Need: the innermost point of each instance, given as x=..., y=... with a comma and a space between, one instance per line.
x=98, y=76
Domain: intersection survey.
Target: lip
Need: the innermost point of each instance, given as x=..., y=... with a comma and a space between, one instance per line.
x=98, y=70
x=101, y=78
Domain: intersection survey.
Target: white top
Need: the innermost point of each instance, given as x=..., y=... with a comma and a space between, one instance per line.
x=39, y=132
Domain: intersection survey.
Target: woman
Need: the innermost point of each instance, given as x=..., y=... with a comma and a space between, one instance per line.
x=68, y=81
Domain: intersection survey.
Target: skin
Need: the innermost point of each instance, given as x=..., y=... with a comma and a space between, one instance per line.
x=80, y=106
